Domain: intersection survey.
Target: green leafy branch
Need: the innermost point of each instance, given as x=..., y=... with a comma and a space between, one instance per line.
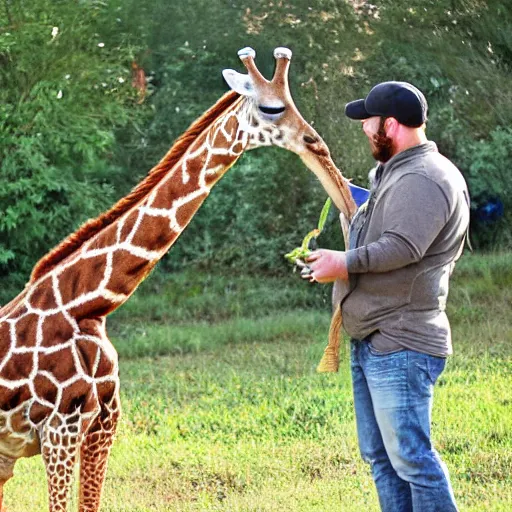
x=303, y=251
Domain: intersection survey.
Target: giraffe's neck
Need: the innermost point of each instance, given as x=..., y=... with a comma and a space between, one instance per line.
x=108, y=268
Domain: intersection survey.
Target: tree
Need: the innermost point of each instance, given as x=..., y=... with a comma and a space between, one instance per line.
x=64, y=91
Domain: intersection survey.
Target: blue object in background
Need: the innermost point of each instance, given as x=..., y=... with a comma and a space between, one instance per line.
x=359, y=194
x=490, y=211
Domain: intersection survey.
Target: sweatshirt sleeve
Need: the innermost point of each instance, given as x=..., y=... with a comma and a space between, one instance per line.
x=415, y=211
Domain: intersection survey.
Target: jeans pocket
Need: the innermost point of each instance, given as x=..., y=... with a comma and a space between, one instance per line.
x=373, y=351
x=435, y=367
x=427, y=367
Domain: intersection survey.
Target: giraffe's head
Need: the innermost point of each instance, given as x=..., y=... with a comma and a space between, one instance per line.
x=270, y=117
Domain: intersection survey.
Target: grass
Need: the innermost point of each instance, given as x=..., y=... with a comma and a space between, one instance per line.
x=223, y=410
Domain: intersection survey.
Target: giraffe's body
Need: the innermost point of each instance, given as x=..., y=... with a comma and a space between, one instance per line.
x=59, y=384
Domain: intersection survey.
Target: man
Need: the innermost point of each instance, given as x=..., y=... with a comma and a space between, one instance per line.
x=403, y=245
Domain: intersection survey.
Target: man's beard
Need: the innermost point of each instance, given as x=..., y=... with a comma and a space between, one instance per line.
x=382, y=147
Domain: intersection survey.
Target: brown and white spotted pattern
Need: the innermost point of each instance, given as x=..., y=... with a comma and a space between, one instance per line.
x=95, y=449
x=59, y=383
x=58, y=369
x=60, y=438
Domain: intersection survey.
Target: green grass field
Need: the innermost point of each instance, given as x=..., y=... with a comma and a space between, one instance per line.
x=223, y=410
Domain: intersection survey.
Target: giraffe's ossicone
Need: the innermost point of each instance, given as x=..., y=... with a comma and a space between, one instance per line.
x=59, y=384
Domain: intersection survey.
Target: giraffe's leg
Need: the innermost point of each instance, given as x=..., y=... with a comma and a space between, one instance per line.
x=94, y=454
x=6, y=472
x=60, y=439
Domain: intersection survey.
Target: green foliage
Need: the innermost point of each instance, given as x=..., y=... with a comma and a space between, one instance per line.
x=59, y=109
x=73, y=138
x=299, y=253
x=487, y=164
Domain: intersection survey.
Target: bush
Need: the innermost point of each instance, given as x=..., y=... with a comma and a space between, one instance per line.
x=487, y=168
x=74, y=139
x=60, y=107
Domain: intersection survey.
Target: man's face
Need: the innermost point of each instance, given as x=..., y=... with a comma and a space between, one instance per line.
x=381, y=145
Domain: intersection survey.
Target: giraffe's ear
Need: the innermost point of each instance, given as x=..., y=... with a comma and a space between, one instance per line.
x=242, y=84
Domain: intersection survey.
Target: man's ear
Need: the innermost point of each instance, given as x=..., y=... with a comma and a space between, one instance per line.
x=391, y=126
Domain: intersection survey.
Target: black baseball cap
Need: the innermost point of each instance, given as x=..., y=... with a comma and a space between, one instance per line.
x=400, y=100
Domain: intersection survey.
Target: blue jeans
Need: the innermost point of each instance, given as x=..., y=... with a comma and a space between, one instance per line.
x=393, y=395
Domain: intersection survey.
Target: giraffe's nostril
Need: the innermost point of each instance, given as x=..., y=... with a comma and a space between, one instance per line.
x=308, y=139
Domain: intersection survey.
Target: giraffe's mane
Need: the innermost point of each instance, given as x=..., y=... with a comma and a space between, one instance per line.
x=93, y=226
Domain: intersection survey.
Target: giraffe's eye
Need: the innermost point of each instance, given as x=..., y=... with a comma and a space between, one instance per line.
x=272, y=111
x=271, y=114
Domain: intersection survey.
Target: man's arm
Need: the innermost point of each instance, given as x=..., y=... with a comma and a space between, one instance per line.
x=415, y=211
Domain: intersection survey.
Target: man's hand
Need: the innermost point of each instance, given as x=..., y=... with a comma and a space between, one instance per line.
x=326, y=266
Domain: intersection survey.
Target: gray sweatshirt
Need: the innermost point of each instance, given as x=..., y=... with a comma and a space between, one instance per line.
x=404, y=245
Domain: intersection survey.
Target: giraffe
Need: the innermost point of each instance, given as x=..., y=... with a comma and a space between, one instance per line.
x=59, y=383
